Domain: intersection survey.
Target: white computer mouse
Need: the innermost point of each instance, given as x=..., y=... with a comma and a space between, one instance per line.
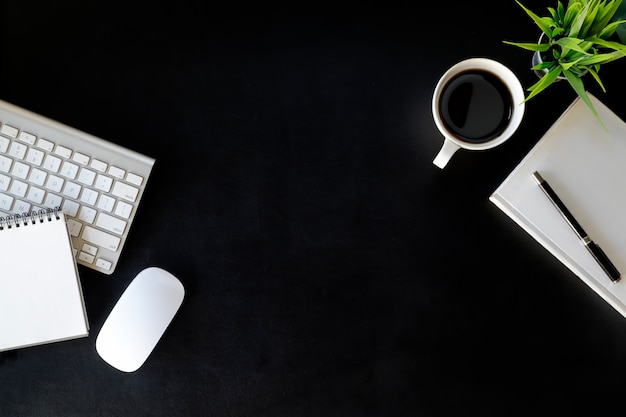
x=139, y=319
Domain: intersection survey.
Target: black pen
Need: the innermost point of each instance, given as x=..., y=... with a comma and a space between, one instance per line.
x=593, y=248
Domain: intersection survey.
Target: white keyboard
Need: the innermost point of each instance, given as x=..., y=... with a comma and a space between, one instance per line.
x=97, y=184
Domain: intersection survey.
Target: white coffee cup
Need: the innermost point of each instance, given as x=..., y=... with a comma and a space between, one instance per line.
x=477, y=104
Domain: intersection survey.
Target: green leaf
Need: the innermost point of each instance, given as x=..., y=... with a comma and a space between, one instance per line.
x=555, y=17
x=560, y=12
x=596, y=77
x=541, y=47
x=571, y=56
x=608, y=44
x=578, y=21
x=567, y=65
x=590, y=17
x=588, y=47
x=601, y=58
x=611, y=28
x=573, y=9
x=541, y=22
x=542, y=66
x=620, y=14
x=605, y=14
x=620, y=10
x=577, y=85
x=572, y=43
x=543, y=83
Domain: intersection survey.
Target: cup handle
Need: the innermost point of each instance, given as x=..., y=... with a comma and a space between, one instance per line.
x=447, y=150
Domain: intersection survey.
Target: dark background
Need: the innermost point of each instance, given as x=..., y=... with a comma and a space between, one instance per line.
x=331, y=269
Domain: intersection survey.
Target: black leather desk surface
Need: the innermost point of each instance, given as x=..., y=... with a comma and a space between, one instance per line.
x=331, y=269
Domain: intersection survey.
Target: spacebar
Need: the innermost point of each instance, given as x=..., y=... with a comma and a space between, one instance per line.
x=100, y=238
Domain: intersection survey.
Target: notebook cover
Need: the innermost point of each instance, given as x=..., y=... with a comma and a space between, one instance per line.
x=586, y=165
x=41, y=299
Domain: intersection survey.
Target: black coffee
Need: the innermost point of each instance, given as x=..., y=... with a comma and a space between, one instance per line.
x=475, y=106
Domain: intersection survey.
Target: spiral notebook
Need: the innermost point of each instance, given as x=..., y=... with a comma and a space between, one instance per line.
x=41, y=299
x=586, y=164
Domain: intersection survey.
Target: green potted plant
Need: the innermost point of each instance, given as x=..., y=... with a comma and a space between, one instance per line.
x=575, y=40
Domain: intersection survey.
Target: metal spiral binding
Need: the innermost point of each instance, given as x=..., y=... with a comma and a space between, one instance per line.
x=17, y=220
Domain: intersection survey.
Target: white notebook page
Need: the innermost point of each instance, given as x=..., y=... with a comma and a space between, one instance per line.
x=40, y=294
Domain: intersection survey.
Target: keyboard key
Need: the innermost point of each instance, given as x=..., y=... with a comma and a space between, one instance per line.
x=21, y=206
x=117, y=172
x=134, y=179
x=6, y=202
x=36, y=195
x=5, y=164
x=125, y=191
x=100, y=238
x=20, y=170
x=4, y=182
x=103, y=183
x=55, y=183
x=87, y=214
x=89, y=196
x=27, y=138
x=104, y=264
x=52, y=163
x=123, y=209
x=74, y=227
x=80, y=158
x=37, y=177
x=34, y=156
x=46, y=145
x=70, y=207
x=18, y=150
x=110, y=223
x=52, y=201
x=86, y=177
x=69, y=170
x=9, y=131
x=4, y=144
x=106, y=203
x=63, y=152
x=98, y=165
x=87, y=248
x=71, y=190
x=18, y=188
x=85, y=257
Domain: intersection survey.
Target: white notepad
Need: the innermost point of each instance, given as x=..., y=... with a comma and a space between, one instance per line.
x=41, y=300
x=586, y=166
